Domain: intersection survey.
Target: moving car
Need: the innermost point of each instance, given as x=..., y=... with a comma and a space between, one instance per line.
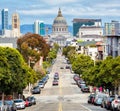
x=55, y=82
x=56, y=76
x=20, y=103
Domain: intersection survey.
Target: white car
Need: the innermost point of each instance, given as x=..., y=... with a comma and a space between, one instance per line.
x=115, y=103
x=20, y=103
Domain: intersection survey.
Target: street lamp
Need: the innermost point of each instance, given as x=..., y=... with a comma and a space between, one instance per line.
x=30, y=60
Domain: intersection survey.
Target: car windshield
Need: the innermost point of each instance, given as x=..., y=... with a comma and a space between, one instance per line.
x=36, y=87
x=17, y=101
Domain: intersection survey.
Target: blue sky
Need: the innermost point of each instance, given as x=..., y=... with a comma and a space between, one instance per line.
x=46, y=10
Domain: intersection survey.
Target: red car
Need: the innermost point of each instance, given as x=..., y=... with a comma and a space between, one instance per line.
x=27, y=103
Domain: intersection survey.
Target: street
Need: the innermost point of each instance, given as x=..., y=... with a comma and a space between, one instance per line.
x=67, y=96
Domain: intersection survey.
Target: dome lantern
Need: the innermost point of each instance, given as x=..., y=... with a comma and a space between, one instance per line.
x=59, y=13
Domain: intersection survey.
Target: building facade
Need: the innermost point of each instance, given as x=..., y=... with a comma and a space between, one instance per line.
x=39, y=27
x=112, y=28
x=4, y=13
x=111, y=46
x=15, y=25
x=90, y=33
x=77, y=23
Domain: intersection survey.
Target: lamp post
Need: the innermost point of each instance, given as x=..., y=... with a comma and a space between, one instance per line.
x=29, y=86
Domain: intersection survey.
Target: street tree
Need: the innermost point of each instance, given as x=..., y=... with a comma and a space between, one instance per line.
x=14, y=72
x=81, y=64
x=33, y=46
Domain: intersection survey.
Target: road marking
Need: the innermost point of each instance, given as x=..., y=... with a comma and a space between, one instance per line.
x=60, y=106
x=60, y=86
x=86, y=107
x=60, y=92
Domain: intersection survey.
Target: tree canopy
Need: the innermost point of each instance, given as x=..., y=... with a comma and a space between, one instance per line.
x=14, y=72
x=32, y=45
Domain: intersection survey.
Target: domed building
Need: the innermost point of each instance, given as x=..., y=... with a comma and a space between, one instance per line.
x=60, y=30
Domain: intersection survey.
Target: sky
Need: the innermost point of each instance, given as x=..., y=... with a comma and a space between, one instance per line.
x=47, y=10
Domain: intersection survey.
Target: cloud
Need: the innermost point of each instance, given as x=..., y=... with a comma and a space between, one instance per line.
x=38, y=11
x=59, y=2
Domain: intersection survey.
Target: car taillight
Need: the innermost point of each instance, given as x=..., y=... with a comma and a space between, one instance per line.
x=116, y=101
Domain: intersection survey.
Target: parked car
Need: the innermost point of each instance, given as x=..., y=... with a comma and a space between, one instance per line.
x=4, y=106
x=106, y=103
x=98, y=101
x=20, y=103
x=36, y=90
x=76, y=78
x=11, y=104
x=115, y=103
x=67, y=67
x=90, y=97
x=55, y=82
x=41, y=84
x=85, y=88
x=47, y=76
x=44, y=79
x=27, y=103
x=31, y=99
x=98, y=98
x=80, y=83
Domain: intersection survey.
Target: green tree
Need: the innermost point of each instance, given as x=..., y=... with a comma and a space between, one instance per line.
x=81, y=64
x=14, y=72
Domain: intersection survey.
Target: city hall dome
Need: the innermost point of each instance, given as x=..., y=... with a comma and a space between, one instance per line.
x=59, y=19
x=60, y=31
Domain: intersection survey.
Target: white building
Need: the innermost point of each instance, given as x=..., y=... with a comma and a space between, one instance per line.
x=60, y=31
x=7, y=33
x=90, y=33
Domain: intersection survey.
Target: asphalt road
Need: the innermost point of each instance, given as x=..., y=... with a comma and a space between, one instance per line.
x=64, y=97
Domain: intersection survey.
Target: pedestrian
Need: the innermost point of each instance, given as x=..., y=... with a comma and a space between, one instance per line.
x=100, y=89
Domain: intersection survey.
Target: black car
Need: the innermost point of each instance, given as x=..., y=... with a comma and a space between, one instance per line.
x=91, y=97
x=36, y=90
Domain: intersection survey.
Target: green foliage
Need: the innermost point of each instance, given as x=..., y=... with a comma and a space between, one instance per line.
x=14, y=72
x=81, y=64
x=67, y=49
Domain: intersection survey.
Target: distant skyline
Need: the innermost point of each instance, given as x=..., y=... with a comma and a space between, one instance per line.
x=46, y=10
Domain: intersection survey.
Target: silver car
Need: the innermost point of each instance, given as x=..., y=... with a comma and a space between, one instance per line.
x=20, y=103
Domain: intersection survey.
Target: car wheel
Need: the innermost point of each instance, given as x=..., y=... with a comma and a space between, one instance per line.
x=114, y=109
